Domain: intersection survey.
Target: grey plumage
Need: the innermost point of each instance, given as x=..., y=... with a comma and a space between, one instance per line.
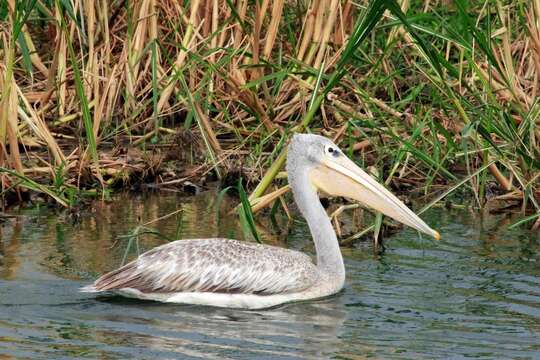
x=214, y=265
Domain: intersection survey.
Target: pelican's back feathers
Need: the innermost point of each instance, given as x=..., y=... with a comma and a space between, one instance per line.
x=213, y=265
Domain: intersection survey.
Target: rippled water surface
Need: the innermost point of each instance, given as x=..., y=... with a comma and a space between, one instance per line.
x=475, y=294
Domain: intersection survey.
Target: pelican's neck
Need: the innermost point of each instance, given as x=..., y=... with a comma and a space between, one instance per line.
x=329, y=257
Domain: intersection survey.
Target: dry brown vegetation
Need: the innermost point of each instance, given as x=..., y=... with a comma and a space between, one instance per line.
x=97, y=93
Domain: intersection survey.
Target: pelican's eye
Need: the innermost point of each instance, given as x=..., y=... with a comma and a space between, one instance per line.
x=330, y=150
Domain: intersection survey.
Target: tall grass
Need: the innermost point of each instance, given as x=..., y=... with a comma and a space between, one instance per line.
x=426, y=91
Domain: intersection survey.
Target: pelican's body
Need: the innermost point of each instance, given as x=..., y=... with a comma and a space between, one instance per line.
x=235, y=274
x=222, y=272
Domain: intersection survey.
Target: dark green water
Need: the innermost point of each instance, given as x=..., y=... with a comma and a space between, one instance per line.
x=475, y=294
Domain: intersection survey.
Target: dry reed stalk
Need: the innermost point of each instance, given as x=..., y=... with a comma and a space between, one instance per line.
x=382, y=105
x=319, y=35
x=104, y=108
x=348, y=109
x=320, y=20
x=507, y=63
x=515, y=95
x=134, y=47
x=8, y=105
x=295, y=106
x=267, y=199
x=199, y=38
x=9, y=115
x=214, y=39
x=345, y=23
x=208, y=128
x=273, y=27
x=255, y=43
x=284, y=206
x=327, y=31
x=250, y=99
x=316, y=41
x=61, y=62
x=105, y=31
x=241, y=9
x=533, y=27
x=40, y=128
x=307, y=31
x=229, y=30
x=207, y=18
x=187, y=42
x=90, y=22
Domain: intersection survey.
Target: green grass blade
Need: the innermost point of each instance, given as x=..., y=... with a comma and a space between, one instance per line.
x=246, y=215
x=25, y=52
x=524, y=220
x=32, y=185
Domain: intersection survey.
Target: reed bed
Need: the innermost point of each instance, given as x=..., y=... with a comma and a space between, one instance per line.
x=437, y=97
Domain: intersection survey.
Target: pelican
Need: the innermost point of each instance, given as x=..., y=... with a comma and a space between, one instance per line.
x=236, y=274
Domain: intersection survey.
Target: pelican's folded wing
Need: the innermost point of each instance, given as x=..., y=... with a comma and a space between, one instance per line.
x=213, y=265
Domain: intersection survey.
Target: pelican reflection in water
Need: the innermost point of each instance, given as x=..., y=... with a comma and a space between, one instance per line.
x=236, y=274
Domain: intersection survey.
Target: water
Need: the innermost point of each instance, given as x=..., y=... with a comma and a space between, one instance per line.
x=475, y=294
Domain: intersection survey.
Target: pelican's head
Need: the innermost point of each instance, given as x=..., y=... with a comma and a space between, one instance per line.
x=330, y=171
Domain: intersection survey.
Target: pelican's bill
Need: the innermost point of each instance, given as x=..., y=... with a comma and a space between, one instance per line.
x=340, y=176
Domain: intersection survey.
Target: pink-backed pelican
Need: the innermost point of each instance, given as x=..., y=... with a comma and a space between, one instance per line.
x=236, y=274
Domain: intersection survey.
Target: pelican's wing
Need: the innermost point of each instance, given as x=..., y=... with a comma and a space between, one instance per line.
x=214, y=265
